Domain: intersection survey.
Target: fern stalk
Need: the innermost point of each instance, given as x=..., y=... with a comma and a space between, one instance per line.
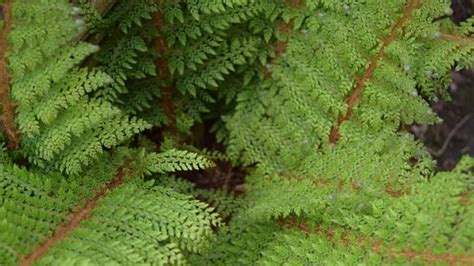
x=8, y=117
x=162, y=65
x=352, y=100
x=80, y=214
x=374, y=245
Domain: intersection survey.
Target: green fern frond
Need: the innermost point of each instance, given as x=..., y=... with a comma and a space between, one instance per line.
x=309, y=98
x=175, y=160
x=323, y=130
x=132, y=222
x=62, y=127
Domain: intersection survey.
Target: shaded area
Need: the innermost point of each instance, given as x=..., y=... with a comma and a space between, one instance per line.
x=463, y=9
x=454, y=137
x=224, y=175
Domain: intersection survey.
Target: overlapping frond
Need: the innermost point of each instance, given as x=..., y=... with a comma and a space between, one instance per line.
x=310, y=96
x=49, y=219
x=62, y=127
x=324, y=133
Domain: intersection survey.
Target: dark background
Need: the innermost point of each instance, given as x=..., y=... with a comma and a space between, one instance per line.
x=456, y=132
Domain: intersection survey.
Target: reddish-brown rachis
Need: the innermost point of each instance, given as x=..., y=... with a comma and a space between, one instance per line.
x=280, y=47
x=8, y=116
x=354, y=98
x=80, y=214
x=162, y=64
x=376, y=245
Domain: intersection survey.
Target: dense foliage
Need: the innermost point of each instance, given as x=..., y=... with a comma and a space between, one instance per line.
x=310, y=98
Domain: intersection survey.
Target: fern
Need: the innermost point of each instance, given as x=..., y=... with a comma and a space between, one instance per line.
x=129, y=221
x=174, y=160
x=63, y=127
x=308, y=98
x=328, y=144
x=209, y=43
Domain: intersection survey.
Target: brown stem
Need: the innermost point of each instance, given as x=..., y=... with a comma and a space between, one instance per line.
x=280, y=49
x=458, y=38
x=431, y=258
x=82, y=213
x=295, y=3
x=340, y=185
x=377, y=246
x=354, y=98
x=8, y=116
x=161, y=64
x=280, y=46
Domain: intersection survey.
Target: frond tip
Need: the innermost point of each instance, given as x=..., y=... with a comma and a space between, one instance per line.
x=175, y=160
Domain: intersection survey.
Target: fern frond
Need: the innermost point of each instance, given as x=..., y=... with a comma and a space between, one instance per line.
x=62, y=127
x=323, y=132
x=175, y=160
x=128, y=221
x=310, y=98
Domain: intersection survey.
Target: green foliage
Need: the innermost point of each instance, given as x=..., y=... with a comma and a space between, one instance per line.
x=213, y=44
x=310, y=97
x=371, y=185
x=135, y=223
x=347, y=231
x=225, y=203
x=174, y=160
x=127, y=56
x=66, y=122
x=63, y=127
